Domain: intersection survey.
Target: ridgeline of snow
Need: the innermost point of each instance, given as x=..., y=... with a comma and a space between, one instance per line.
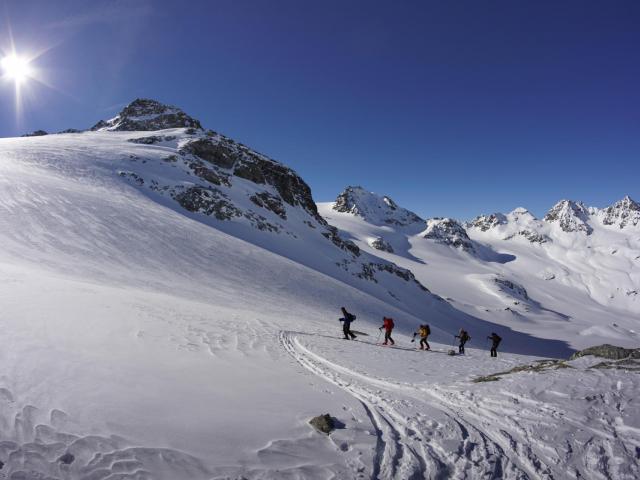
x=170, y=311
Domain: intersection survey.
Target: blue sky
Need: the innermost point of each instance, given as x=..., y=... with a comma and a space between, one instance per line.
x=452, y=108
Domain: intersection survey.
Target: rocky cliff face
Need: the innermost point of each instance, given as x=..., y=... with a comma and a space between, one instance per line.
x=447, y=231
x=624, y=213
x=374, y=208
x=147, y=115
x=487, y=222
x=571, y=216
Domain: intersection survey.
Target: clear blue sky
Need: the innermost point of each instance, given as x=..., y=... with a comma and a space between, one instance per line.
x=453, y=108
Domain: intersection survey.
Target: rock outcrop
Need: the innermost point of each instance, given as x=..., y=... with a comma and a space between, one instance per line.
x=381, y=244
x=323, y=423
x=148, y=115
x=610, y=352
x=448, y=231
x=511, y=288
x=37, y=133
x=487, y=222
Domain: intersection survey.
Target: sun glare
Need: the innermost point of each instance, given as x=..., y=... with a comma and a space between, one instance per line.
x=16, y=68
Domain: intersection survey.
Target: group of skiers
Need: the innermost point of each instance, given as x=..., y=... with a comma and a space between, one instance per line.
x=423, y=332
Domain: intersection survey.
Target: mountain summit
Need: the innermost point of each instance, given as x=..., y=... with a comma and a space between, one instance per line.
x=374, y=208
x=571, y=216
x=147, y=115
x=622, y=213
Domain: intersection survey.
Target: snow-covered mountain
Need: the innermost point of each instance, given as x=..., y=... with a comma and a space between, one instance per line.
x=242, y=192
x=574, y=275
x=376, y=209
x=170, y=304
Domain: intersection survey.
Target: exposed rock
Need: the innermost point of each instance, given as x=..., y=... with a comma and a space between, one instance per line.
x=539, y=366
x=70, y=130
x=332, y=234
x=511, y=288
x=134, y=177
x=448, y=231
x=213, y=152
x=209, y=174
x=381, y=244
x=369, y=273
x=628, y=364
x=67, y=458
x=571, y=216
x=37, y=133
x=323, y=423
x=487, y=222
x=152, y=139
x=530, y=235
x=608, y=351
x=622, y=213
x=374, y=208
x=270, y=202
x=148, y=115
x=225, y=153
x=208, y=202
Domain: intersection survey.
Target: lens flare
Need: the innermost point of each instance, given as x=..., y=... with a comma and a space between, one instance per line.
x=16, y=68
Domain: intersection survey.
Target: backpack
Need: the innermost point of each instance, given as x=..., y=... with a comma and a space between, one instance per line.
x=388, y=323
x=427, y=329
x=351, y=317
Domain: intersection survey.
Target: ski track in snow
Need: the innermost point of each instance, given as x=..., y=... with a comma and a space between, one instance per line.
x=406, y=448
x=447, y=431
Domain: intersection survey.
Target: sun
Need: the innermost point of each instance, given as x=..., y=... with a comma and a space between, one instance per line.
x=16, y=68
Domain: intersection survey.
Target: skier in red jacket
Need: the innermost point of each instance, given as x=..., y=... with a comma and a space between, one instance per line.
x=387, y=324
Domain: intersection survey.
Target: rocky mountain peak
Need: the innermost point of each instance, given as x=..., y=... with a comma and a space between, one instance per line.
x=448, y=231
x=622, y=213
x=374, y=208
x=487, y=222
x=147, y=115
x=571, y=216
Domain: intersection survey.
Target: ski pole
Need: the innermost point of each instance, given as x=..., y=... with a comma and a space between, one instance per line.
x=379, y=334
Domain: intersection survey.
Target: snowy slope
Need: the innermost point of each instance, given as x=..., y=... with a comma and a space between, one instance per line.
x=152, y=335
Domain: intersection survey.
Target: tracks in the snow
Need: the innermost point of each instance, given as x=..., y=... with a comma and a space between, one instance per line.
x=418, y=435
x=394, y=457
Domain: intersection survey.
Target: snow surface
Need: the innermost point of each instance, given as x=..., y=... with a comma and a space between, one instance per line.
x=150, y=343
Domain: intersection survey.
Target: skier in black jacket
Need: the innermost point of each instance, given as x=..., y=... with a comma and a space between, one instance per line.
x=464, y=337
x=346, y=327
x=496, y=339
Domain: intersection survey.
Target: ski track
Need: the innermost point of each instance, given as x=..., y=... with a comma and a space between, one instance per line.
x=414, y=446
x=450, y=431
